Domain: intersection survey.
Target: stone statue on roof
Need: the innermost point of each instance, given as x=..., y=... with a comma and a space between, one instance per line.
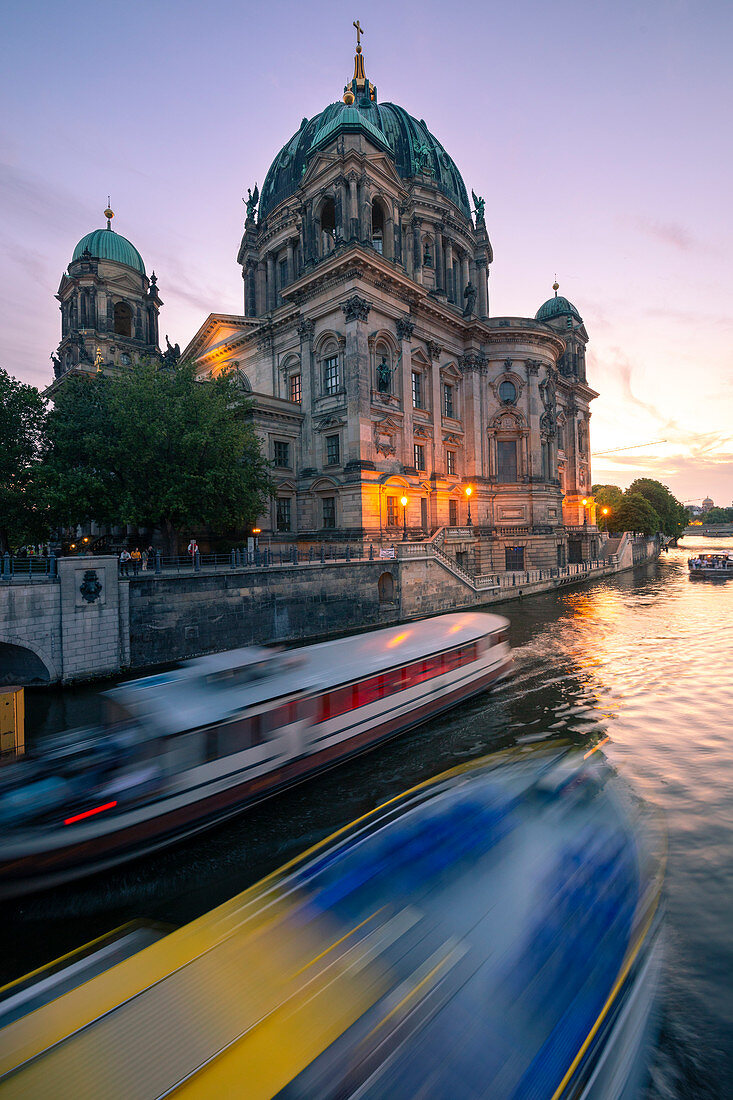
x=479, y=205
x=251, y=202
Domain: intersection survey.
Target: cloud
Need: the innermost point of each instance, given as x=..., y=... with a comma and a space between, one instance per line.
x=669, y=233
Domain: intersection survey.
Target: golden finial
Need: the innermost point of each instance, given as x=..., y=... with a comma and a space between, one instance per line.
x=98, y=360
x=359, y=60
x=556, y=285
x=109, y=214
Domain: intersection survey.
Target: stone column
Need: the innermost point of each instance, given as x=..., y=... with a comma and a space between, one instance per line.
x=249, y=273
x=483, y=288
x=291, y=269
x=416, y=250
x=439, y=261
x=271, y=299
x=449, y=284
x=464, y=278
x=353, y=209
x=261, y=288
x=397, y=220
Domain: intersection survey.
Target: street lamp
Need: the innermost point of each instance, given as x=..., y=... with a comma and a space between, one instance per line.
x=403, y=502
x=585, y=515
x=469, y=490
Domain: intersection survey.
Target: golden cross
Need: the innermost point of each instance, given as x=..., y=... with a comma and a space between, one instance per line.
x=359, y=32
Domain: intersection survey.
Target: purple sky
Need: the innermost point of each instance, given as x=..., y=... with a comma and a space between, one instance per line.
x=599, y=135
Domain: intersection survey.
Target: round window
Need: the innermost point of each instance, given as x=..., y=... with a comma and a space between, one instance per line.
x=508, y=392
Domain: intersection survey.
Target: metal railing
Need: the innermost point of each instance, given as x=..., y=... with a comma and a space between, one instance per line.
x=27, y=570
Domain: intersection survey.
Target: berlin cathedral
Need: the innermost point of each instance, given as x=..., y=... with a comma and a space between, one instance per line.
x=376, y=370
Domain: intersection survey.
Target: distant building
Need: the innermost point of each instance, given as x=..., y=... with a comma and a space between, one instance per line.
x=707, y=504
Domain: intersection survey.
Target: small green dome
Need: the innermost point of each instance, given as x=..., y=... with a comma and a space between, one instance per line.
x=557, y=307
x=105, y=244
x=408, y=142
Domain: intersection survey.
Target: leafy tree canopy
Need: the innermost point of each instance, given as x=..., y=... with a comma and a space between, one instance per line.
x=635, y=513
x=718, y=515
x=156, y=447
x=22, y=418
x=672, y=514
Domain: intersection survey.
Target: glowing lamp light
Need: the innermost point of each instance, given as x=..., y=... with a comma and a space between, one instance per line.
x=604, y=511
x=584, y=501
x=403, y=501
x=256, y=530
x=469, y=490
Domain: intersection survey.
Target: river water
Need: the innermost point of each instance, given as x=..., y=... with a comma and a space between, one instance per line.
x=645, y=657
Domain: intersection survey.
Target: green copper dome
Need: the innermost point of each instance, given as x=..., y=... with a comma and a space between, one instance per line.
x=105, y=244
x=557, y=307
x=408, y=142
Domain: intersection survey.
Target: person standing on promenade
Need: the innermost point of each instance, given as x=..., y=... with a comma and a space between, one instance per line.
x=136, y=559
x=124, y=563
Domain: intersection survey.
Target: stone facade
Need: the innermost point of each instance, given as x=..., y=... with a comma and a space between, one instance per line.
x=109, y=307
x=375, y=368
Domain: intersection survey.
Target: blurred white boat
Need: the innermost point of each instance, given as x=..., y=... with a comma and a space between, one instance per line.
x=185, y=749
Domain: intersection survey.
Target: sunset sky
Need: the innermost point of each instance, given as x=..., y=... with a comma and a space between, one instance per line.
x=599, y=135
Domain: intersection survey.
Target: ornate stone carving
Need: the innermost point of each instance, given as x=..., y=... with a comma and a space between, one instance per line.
x=356, y=308
x=508, y=364
x=90, y=587
x=472, y=362
x=434, y=350
x=405, y=328
x=306, y=328
x=422, y=432
x=384, y=436
x=533, y=366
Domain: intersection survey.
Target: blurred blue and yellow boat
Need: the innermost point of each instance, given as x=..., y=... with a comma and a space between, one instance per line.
x=495, y=931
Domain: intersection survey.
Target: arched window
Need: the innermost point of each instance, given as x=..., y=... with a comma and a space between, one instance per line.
x=328, y=227
x=123, y=319
x=378, y=227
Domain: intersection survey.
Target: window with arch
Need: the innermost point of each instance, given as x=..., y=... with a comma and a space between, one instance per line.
x=122, y=319
x=378, y=227
x=507, y=392
x=328, y=226
x=331, y=377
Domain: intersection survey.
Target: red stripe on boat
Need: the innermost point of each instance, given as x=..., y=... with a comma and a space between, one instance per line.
x=90, y=813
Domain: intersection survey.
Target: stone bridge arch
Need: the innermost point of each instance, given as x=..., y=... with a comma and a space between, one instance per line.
x=25, y=664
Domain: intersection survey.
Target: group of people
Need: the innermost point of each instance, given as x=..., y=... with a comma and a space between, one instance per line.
x=136, y=560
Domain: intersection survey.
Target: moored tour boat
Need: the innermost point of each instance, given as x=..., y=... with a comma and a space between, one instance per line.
x=495, y=931
x=715, y=566
x=185, y=749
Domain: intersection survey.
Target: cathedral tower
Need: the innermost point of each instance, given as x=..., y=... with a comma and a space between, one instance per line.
x=109, y=306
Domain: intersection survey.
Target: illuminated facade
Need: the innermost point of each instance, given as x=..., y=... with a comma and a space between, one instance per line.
x=375, y=366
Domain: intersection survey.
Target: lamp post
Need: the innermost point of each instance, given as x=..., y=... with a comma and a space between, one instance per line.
x=585, y=514
x=604, y=513
x=469, y=490
x=403, y=502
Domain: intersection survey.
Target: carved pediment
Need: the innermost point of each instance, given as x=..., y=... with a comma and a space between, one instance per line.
x=422, y=432
x=327, y=423
x=454, y=440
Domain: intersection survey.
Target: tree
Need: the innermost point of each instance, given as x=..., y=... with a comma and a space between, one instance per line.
x=610, y=497
x=672, y=514
x=635, y=513
x=158, y=447
x=719, y=515
x=22, y=418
